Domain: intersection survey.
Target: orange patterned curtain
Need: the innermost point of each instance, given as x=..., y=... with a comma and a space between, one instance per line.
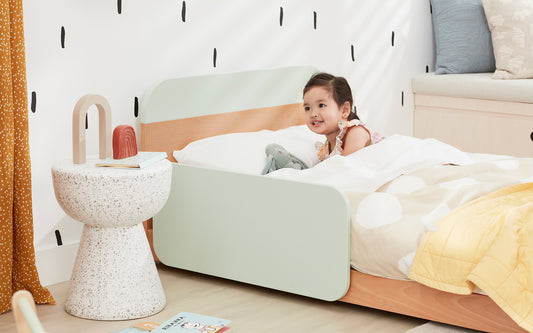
x=17, y=253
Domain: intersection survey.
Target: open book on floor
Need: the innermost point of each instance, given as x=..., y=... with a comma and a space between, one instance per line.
x=186, y=322
x=183, y=322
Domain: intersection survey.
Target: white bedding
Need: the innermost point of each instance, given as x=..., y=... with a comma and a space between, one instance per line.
x=245, y=152
x=399, y=189
x=370, y=168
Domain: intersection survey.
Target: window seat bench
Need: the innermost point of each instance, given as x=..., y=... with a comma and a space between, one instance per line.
x=475, y=113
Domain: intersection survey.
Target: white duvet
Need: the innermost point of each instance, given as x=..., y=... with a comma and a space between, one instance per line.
x=370, y=168
x=400, y=188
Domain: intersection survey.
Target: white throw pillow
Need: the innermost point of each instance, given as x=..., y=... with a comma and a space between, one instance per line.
x=511, y=25
x=245, y=152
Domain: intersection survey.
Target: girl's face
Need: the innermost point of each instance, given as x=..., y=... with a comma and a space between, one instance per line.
x=322, y=114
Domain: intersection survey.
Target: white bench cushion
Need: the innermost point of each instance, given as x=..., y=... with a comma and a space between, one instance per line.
x=475, y=85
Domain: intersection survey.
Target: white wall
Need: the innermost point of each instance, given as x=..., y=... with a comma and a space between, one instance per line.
x=119, y=55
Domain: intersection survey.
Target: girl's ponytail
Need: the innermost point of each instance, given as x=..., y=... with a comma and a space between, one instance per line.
x=353, y=114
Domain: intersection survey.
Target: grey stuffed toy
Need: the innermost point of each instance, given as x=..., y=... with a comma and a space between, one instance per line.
x=279, y=158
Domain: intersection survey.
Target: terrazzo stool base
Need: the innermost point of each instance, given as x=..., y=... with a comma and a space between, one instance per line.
x=114, y=276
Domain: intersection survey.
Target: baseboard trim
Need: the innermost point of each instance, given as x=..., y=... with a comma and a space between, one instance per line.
x=55, y=264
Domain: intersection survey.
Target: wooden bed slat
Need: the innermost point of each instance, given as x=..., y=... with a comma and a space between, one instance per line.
x=173, y=135
x=474, y=311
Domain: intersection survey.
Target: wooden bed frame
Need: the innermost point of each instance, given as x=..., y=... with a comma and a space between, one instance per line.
x=249, y=228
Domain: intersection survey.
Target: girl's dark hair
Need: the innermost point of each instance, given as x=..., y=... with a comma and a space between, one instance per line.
x=337, y=86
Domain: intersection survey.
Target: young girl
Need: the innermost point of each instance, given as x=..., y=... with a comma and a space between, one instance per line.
x=328, y=105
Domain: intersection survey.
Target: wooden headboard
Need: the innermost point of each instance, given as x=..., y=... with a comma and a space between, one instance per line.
x=181, y=110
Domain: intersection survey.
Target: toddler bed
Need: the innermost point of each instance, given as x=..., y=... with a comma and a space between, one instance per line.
x=293, y=230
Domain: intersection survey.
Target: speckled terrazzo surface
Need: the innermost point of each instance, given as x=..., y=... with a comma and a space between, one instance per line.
x=102, y=196
x=114, y=276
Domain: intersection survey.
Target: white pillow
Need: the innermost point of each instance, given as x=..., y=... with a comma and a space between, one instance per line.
x=245, y=152
x=510, y=23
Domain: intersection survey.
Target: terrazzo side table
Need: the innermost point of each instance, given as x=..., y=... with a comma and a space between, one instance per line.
x=114, y=275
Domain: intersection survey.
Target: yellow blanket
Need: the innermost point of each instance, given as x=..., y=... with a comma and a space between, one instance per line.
x=486, y=243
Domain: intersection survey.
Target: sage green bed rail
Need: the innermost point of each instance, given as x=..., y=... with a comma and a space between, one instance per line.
x=280, y=234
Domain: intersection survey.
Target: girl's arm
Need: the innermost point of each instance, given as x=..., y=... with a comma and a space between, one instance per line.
x=356, y=137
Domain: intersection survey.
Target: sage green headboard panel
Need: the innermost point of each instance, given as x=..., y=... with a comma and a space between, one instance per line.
x=221, y=93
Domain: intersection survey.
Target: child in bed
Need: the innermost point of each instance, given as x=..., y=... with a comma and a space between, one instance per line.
x=329, y=110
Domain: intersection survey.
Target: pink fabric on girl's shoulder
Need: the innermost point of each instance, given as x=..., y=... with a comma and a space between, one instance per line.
x=323, y=149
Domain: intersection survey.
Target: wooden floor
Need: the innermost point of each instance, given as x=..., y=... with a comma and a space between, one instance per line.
x=250, y=308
